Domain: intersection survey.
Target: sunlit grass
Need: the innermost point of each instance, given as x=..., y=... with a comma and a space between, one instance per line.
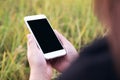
x=73, y=18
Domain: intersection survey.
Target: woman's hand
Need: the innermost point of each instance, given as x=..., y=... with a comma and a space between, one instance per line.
x=40, y=69
x=60, y=64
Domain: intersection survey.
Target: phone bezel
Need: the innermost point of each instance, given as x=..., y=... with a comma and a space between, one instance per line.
x=49, y=55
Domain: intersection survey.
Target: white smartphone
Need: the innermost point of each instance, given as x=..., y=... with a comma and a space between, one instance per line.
x=44, y=36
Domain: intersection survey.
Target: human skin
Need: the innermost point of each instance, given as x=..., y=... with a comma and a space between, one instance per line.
x=40, y=69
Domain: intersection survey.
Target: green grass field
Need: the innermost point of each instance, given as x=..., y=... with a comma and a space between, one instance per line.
x=73, y=18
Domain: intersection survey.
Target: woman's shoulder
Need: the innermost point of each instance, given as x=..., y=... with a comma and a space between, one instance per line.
x=98, y=47
x=97, y=60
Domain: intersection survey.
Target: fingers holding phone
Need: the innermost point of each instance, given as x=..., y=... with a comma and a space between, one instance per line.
x=62, y=63
x=39, y=68
x=34, y=54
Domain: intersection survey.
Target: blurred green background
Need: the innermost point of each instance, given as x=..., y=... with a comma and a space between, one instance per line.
x=73, y=18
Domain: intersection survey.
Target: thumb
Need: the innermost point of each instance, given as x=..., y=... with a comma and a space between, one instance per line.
x=32, y=46
x=31, y=43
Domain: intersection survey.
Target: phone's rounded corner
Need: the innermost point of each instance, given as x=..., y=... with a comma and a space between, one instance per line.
x=24, y=18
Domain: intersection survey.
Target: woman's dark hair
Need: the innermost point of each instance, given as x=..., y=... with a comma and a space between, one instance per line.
x=108, y=12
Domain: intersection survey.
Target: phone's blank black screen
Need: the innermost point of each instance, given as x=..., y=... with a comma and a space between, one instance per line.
x=45, y=36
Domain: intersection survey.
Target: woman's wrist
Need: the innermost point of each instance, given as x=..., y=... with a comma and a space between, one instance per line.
x=37, y=74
